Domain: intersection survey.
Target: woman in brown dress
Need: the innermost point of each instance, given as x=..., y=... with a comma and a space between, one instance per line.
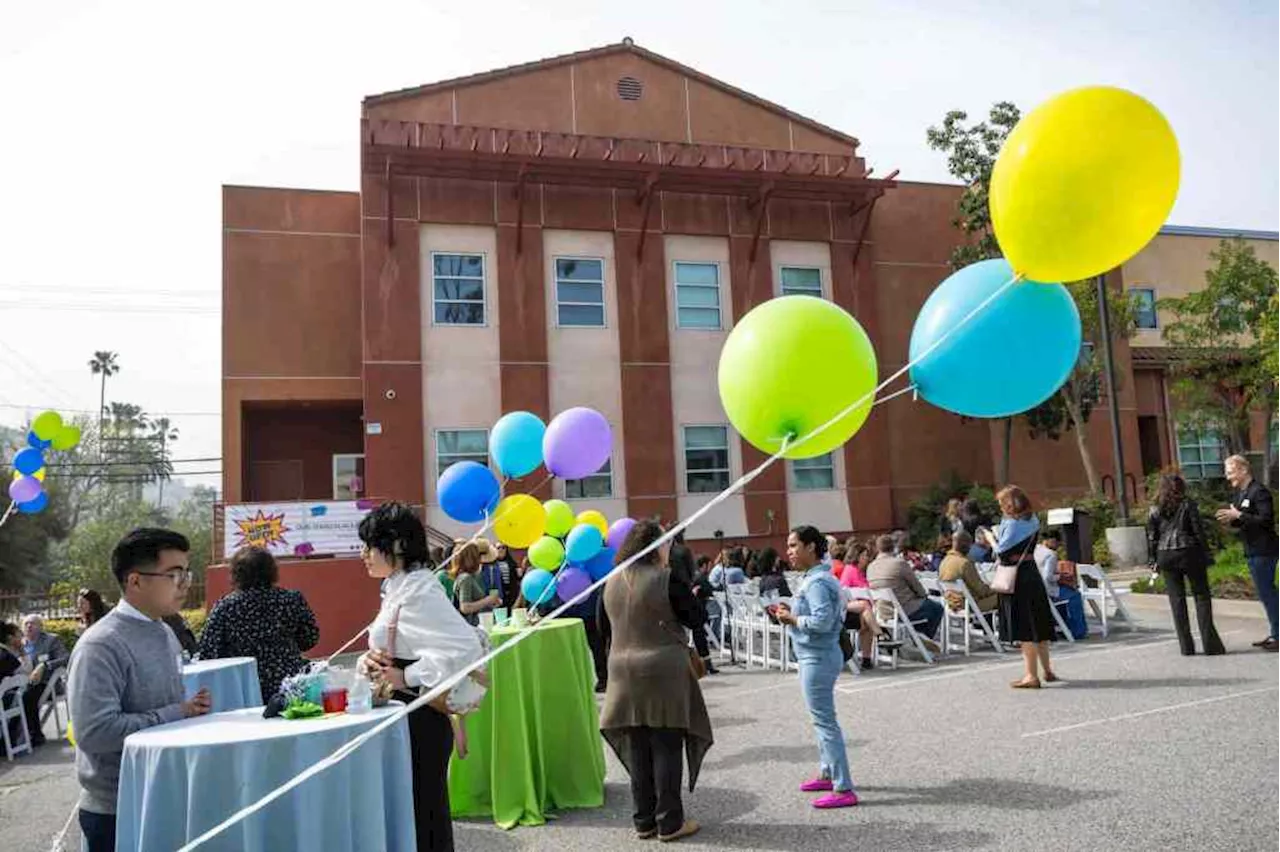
x=653, y=707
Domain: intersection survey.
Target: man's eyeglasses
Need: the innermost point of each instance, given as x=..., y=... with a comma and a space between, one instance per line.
x=179, y=578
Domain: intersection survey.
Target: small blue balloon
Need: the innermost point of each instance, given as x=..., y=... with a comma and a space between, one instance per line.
x=538, y=586
x=37, y=504
x=37, y=442
x=601, y=564
x=516, y=443
x=1009, y=357
x=467, y=491
x=27, y=461
x=584, y=542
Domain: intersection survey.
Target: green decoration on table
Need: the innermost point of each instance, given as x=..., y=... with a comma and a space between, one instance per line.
x=534, y=745
x=303, y=710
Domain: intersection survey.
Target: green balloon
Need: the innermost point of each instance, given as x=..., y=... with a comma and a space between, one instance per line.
x=46, y=425
x=789, y=366
x=546, y=553
x=66, y=438
x=560, y=518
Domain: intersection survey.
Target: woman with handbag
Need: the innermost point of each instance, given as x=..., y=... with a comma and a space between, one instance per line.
x=653, y=707
x=1025, y=616
x=816, y=627
x=1176, y=544
x=416, y=642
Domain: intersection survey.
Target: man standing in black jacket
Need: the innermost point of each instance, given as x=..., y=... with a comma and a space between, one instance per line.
x=1252, y=513
x=683, y=569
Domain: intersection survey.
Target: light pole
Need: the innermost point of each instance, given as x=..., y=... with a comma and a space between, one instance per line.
x=1117, y=450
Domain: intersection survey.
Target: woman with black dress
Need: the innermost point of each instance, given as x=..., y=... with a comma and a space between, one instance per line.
x=1176, y=544
x=1025, y=616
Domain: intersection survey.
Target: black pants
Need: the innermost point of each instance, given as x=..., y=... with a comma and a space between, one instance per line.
x=599, y=654
x=1177, y=566
x=99, y=831
x=657, y=769
x=700, y=642
x=430, y=745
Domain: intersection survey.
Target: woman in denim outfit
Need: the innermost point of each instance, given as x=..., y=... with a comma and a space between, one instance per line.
x=815, y=627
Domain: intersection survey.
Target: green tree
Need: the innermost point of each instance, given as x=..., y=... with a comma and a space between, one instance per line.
x=26, y=541
x=194, y=519
x=1227, y=339
x=104, y=364
x=88, y=557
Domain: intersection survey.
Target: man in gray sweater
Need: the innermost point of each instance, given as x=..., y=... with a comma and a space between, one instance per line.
x=126, y=672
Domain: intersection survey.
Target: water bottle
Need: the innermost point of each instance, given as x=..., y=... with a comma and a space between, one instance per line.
x=360, y=699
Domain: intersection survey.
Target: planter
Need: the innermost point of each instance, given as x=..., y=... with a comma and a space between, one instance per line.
x=1128, y=546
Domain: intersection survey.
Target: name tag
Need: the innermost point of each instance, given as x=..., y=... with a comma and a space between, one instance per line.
x=1244, y=504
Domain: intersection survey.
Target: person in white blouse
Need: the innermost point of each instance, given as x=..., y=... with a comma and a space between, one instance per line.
x=416, y=642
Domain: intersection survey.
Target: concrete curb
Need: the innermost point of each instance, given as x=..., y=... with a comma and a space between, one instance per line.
x=1221, y=606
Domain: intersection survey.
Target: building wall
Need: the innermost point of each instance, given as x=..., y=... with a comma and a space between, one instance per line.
x=289, y=448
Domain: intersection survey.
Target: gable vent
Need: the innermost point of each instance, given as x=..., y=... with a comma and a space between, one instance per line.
x=630, y=89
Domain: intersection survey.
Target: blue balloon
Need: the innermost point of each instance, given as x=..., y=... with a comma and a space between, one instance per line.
x=516, y=443
x=27, y=461
x=1009, y=357
x=468, y=491
x=34, y=505
x=37, y=442
x=601, y=564
x=538, y=586
x=584, y=542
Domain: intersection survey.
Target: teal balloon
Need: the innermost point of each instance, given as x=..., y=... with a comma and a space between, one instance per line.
x=538, y=586
x=584, y=542
x=516, y=443
x=1012, y=355
x=27, y=461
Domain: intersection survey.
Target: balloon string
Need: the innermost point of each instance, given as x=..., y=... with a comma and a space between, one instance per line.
x=453, y=680
x=13, y=504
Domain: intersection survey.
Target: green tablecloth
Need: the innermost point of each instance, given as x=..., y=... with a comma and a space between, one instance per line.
x=534, y=745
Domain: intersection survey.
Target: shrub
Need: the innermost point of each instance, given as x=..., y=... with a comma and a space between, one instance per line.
x=1228, y=576
x=924, y=514
x=68, y=629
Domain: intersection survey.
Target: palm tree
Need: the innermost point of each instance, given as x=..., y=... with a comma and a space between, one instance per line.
x=164, y=433
x=103, y=363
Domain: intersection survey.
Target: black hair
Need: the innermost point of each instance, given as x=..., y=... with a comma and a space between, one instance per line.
x=7, y=629
x=254, y=568
x=1051, y=534
x=643, y=534
x=809, y=535
x=97, y=607
x=704, y=561
x=394, y=530
x=140, y=548
x=767, y=561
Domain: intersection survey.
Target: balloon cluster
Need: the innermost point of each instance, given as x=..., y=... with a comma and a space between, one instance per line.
x=1082, y=183
x=27, y=487
x=567, y=552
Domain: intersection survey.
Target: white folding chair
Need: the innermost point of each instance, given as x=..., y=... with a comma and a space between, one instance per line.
x=968, y=617
x=933, y=586
x=1099, y=597
x=901, y=623
x=11, y=707
x=1058, y=617
x=741, y=626
x=55, y=692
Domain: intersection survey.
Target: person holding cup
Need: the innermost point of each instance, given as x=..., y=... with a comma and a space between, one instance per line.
x=468, y=586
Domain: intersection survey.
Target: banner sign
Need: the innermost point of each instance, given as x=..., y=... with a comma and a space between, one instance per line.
x=295, y=529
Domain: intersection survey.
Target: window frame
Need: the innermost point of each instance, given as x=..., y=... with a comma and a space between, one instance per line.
x=607, y=473
x=555, y=281
x=780, y=290
x=436, y=433
x=1155, y=310
x=794, y=485
x=333, y=474
x=1200, y=444
x=728, y=455
x=484, y=289
x=717, y=287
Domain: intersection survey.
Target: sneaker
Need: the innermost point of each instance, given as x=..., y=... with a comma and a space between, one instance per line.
x=647, y=834
x=816, y=785
x=689, y=828
x=844, y=799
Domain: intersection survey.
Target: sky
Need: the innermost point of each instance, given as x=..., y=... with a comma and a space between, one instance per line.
x=120, y=121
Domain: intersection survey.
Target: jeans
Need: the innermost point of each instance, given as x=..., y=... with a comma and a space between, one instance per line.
x=1075, y=611
x=818, y=672
x=656, y=758
x=1177, y=568
x=932, y=612
x=98, y=831
x=1263, y=570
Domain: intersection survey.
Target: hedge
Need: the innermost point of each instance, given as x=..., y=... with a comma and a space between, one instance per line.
x=68, y=630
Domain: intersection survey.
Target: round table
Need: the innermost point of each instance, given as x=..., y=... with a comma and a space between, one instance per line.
x=534, y=744
x=179, y=780
x=232, y=682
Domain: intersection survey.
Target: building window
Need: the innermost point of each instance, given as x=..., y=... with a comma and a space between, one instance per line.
x=598, y=484
x=455, y=445
x=800, y=281
x=697, y=295
x=348, y=476
x=1144, y=307
x=579, y=292
x=1200, y=454
x=815, y=474
x=706, y=459
x=458, y=288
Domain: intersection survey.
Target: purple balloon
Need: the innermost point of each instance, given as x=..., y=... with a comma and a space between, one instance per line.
x=25, y=489
x=571, y=582
x=618, y=532
x=577, y=443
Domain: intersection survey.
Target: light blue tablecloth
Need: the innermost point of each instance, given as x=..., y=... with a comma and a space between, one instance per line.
x=178, y=781
x=232, y=682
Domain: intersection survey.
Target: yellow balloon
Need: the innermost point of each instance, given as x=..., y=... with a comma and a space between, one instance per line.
x=1083, y=182
x=595, y=519
x=39, y=474
x=519, y=520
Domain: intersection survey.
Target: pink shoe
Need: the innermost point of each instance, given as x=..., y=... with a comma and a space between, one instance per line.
x=846, y=799
x=817, y=785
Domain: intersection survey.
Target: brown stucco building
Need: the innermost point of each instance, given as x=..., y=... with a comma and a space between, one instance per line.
x=584, y=230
